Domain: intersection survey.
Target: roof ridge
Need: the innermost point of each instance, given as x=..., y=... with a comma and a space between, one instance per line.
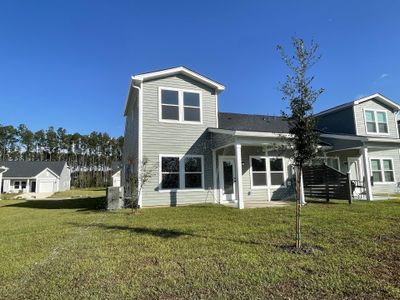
x=259, y=115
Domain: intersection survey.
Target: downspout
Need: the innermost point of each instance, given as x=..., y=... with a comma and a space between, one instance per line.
x=140, y=141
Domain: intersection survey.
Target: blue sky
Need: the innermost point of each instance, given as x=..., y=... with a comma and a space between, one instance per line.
x=68, y=63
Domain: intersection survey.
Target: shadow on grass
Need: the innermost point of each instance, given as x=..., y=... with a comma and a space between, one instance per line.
x=162, y=232
x=81, y=204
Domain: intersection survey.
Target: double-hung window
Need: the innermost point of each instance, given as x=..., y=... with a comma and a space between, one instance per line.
x=382, y=170
x=181, y=172
x=193, y=172
x=376, y=121
x=180, y=106
x=267, y=171
x=169, y=105
x=259, y=171
x=170, y=169
x=16, y=185
x=277, y=172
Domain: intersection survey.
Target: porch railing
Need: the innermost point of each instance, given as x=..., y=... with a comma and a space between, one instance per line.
x=324, y=182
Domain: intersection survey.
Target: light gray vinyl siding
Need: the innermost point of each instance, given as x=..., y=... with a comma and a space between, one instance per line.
x=176, y=139
x=131, y=141
x=372, y=104
x=379, y=188
x=329, y=123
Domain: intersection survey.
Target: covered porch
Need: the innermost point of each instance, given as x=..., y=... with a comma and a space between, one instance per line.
x=370, y=162
x=251, y=169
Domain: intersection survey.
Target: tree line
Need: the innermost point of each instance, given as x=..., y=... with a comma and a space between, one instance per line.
x=90, y=156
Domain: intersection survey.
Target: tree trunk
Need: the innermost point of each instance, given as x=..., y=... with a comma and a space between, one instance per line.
x=298, y=206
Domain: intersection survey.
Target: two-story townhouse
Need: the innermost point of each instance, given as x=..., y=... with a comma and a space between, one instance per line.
x=364, y=135
x=197, y=154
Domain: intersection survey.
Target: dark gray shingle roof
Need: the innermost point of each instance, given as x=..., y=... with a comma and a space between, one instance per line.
x=246, y=122
x=31, y=168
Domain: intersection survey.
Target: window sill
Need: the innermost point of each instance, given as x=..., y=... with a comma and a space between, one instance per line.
x=384, y=183
x=181, y=190
x=180, y=122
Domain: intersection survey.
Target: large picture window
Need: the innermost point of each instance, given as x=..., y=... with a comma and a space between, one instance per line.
x=181, y=172
x=180, y=106
x=376, y=121
x=267, y=171
x=382, y=170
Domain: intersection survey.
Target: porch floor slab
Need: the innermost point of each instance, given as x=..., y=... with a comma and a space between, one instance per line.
x=260, y=204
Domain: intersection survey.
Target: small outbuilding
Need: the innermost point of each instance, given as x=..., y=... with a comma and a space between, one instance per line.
x=35, y=176
x=116, y=173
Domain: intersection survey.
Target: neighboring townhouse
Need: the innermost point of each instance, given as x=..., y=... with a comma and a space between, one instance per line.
x=364, y=135
x=197, y=154
x=35, y=176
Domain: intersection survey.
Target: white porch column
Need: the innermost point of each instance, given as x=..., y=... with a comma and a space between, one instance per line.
x=214, y=162
x=239, y=185
x=27, y=186
x=367, y=173
x=302, y=197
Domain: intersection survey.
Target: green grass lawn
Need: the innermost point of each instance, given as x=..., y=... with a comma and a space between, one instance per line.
x=81, y=193
x=65, y=249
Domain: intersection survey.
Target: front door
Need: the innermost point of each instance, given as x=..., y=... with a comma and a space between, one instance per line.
x=227, y=181
x=355, y=175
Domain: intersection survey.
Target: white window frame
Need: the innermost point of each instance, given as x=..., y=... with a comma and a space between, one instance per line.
x=375, y=111
x=180, y=105
x=381, y=159
x=258, y=187
x=268, y=171
x=181, y=173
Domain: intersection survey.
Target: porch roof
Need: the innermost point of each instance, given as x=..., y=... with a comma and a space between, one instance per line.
x=348, y=142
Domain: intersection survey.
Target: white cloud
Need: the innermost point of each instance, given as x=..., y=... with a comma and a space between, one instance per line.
x=383, y=75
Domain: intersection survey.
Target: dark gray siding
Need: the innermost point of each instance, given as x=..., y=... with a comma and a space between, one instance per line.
x=341, y=121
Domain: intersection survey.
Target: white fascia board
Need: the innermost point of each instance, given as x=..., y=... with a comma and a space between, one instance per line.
x=359, y=138
x=48, y=169
x=249, y=133
x=381, y=98
x=378, y=96
x=179, y=70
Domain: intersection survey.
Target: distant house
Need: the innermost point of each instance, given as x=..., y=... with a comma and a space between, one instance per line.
x=35, y=176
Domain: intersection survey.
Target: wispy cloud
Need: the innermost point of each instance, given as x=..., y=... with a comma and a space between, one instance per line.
x=384, y=75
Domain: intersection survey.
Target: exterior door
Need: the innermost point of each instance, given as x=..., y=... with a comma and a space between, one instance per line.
x=356, y=175
x=354, y=168
x=227, y=171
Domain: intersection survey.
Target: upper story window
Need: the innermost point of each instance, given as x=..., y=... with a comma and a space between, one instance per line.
x=180, y=106
x=376, y=121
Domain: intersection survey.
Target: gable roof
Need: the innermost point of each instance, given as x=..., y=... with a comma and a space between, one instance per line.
x=378, y=97
x=179, y=70
x=116, y=166
x=142, y=77
x=31, y=168
x=247, y=122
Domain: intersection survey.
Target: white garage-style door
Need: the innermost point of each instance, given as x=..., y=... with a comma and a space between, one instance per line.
x=46, y=186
